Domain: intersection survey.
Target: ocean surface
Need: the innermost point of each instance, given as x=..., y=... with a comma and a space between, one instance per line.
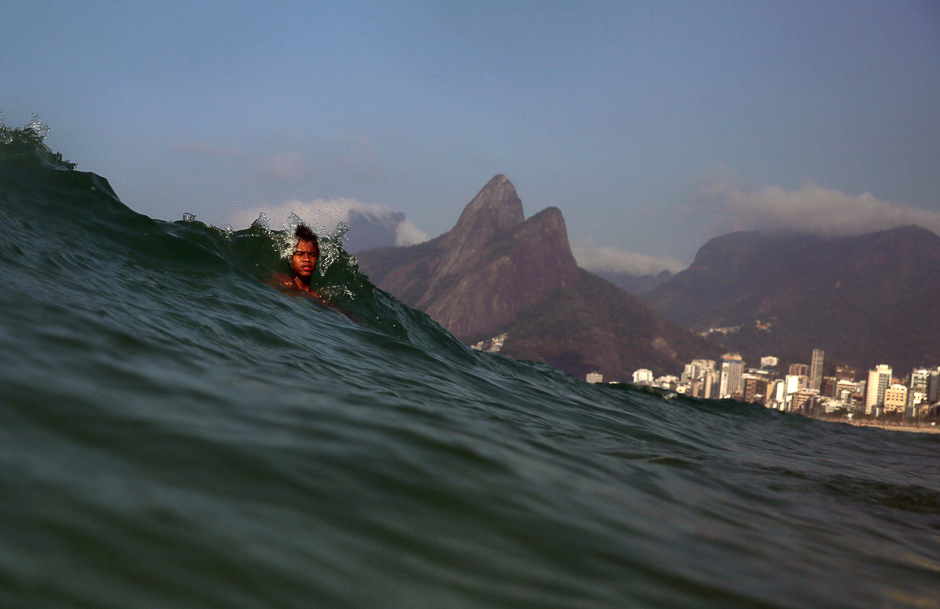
x=175, y=433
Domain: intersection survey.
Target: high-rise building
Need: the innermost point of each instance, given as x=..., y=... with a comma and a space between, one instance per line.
x=878, y=381
x=792, y=384
x=778, y=397
x=643, y=377
x=915, y=399
x=755, y=388
x=845, y=390
x=920, y=379
x=799, y=370
x=846, y=373
x=829, y=387
x=710, y=389
x=697, y=369
x=803, y=400
x=816, y=369
x=732, y=367
x=594, y=377
x=920, y=385
x=933, y=386
x=895, y=399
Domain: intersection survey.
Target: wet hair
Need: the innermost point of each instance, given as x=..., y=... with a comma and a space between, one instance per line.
x=303, y=233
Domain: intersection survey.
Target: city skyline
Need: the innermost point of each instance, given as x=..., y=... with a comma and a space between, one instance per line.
x=880, y=393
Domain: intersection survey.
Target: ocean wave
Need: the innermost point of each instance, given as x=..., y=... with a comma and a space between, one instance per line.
x=174, y=432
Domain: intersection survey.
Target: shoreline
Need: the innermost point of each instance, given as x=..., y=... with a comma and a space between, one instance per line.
x=894, y=427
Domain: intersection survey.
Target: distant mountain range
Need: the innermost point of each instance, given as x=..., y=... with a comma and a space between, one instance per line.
x=497, y=273
x=865, y=300
x=636, y=284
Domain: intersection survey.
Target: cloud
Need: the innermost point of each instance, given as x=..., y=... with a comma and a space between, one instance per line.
x=616, y=260
x=204, y=149
x=371, y=225
x=319, y=212
x=284, y=166
x=406, y=233
x=811, y=209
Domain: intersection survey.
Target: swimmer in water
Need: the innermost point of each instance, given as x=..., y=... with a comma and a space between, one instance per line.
x=303, y=263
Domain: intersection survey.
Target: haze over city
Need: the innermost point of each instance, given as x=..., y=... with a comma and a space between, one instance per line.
x=652, y=127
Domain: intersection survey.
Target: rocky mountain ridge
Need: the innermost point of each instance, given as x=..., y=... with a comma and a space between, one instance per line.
x=865, y=300
x=497, y=272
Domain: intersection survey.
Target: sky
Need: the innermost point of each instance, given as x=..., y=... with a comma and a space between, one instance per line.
x=652, y=126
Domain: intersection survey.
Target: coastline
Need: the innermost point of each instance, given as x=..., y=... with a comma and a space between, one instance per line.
x=894, y=427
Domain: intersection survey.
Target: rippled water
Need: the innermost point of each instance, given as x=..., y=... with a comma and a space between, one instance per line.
x=176, y=433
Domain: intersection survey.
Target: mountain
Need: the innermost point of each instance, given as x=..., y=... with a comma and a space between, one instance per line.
x=865, y=300
x=484, y=271
x=496, y=272
x=596, y=326
x=636, y=284
x=369, y=231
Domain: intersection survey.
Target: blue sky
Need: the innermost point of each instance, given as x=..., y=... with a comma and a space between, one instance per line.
x=653, y=126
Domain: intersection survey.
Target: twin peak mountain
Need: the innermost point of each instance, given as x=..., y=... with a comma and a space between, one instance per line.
x=496, y=272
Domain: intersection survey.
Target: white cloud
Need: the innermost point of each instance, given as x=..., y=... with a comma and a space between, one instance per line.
x=323, y=216
x=406, y=233
x=318, y=212
x=812, y=209
x=616, y=260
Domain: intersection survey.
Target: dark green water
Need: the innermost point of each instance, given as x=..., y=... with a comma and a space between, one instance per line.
x=175, y=433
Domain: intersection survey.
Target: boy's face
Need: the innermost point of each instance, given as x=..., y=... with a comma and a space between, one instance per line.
x=304, y=259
